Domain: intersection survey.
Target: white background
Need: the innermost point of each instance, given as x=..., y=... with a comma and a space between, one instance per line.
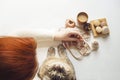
x=51, y=14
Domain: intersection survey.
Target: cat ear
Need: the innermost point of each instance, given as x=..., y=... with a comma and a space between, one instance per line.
x=62, y=51
x=51, y=52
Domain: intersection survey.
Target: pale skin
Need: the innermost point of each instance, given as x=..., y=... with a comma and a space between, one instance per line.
x=68, y=34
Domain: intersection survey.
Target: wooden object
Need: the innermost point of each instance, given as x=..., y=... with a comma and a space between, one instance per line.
x=93, y=27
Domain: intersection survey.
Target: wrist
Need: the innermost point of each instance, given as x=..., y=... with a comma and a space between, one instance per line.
x=56, y=37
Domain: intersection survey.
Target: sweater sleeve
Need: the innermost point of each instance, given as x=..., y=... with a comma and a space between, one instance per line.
x=37, y=34
x=43, y=37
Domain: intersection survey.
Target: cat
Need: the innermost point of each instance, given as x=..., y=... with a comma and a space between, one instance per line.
x=57, y=68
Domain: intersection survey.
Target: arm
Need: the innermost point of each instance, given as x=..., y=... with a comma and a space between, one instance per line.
x=37, y=34
x=40, y=35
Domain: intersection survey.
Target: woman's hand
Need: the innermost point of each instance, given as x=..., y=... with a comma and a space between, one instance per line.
x=68, y=34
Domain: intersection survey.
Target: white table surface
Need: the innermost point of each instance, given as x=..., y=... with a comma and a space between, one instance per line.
x=51, y=14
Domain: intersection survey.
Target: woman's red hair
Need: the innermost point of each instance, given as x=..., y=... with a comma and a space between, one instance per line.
x=17, y=58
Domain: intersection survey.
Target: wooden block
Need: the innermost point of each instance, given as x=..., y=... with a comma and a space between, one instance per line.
x=94, y=29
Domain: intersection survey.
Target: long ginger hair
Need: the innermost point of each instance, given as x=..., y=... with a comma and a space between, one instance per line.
x=17, y=58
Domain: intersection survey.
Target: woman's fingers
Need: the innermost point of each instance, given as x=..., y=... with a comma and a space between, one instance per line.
x=75, y=34
x=68, y=34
